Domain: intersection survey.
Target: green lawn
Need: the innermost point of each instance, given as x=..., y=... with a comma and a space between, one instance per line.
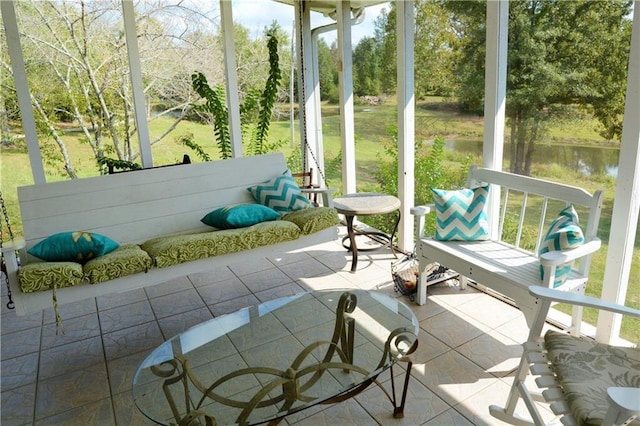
x=371, y=129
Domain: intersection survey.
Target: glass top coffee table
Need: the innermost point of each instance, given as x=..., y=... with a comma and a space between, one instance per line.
x=265, y=362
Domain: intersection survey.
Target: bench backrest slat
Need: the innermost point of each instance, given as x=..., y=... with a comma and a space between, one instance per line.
x=529, y=188
x=541, y=222
x=558, y=191
x=135, y=206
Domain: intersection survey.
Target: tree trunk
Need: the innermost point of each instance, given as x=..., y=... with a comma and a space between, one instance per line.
x=520, y=132
x=512, y=152
x=68, y=167
x=531, y=145
x=4, y=122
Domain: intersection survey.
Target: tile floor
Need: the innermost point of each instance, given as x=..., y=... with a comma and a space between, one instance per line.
x=469, y=344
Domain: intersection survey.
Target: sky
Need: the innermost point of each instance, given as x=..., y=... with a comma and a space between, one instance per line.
x=256, y=14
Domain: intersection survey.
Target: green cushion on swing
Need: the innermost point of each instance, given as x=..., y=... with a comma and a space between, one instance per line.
x=175, y=249
x=313, y=219
x=39, y=276
x=126, y=260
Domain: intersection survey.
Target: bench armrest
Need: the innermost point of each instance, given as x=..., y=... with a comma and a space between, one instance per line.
x=581, y=300
x=419, y=213
x=326, y=193
x=422, y=210
x=624, y=403
x=555, y=258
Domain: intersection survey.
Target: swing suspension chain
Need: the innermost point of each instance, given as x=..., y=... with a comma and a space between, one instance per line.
x=303, y=89
x=3, y=266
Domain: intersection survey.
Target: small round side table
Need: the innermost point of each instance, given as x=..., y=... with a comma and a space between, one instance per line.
x=366, y=204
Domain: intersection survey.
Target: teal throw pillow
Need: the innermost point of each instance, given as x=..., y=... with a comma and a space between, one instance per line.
x=281, y=193
x=239, y=216
x=460, y=214
x=80, y=246
x=564, y=233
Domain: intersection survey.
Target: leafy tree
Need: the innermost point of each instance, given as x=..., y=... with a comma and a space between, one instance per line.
x=77, y=67
x=559, y=53
x=435, y=51
x=366, y=70
x=327, y=70
x=385, y=34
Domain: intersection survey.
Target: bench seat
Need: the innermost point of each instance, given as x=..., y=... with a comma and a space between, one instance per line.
x=504, y=268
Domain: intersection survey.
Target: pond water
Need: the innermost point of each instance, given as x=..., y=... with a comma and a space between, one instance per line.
x=587, y=160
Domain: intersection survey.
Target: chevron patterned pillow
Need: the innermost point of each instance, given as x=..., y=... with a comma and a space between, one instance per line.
x=460, y=214
x=564, y=233
x=281, y=193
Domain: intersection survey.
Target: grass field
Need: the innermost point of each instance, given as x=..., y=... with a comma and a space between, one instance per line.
x=433, y=118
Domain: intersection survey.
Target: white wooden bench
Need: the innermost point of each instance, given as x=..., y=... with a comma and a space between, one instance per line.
x=133, y=207
x=501, y=263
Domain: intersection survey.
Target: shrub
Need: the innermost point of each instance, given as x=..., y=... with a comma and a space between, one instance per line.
x=431, y=171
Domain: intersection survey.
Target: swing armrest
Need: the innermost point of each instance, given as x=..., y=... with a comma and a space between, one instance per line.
x=327, y=197
x=13, y=245
x=10, y=252
x=315, y=190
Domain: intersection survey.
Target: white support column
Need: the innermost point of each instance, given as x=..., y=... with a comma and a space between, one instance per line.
x=137, y=88
x=345, y=85
x=318, y=163
x=405, y=29
x=626, y=205
x=495, y=97
x=306, y=105
x=22, y=89
x=231, y=77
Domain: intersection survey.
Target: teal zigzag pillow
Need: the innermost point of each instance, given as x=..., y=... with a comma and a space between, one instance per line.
x=564, y=233
x=239, y=216
x=460, y=214
x=281, y=193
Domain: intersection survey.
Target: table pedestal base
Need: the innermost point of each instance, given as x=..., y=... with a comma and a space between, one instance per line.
x=182, y=384
x=384, y=239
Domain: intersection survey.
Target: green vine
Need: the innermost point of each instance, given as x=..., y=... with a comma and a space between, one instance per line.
x=106, y=165
x=216, y=106
x=269, y=95
x=256, y=107
x=187, y=140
